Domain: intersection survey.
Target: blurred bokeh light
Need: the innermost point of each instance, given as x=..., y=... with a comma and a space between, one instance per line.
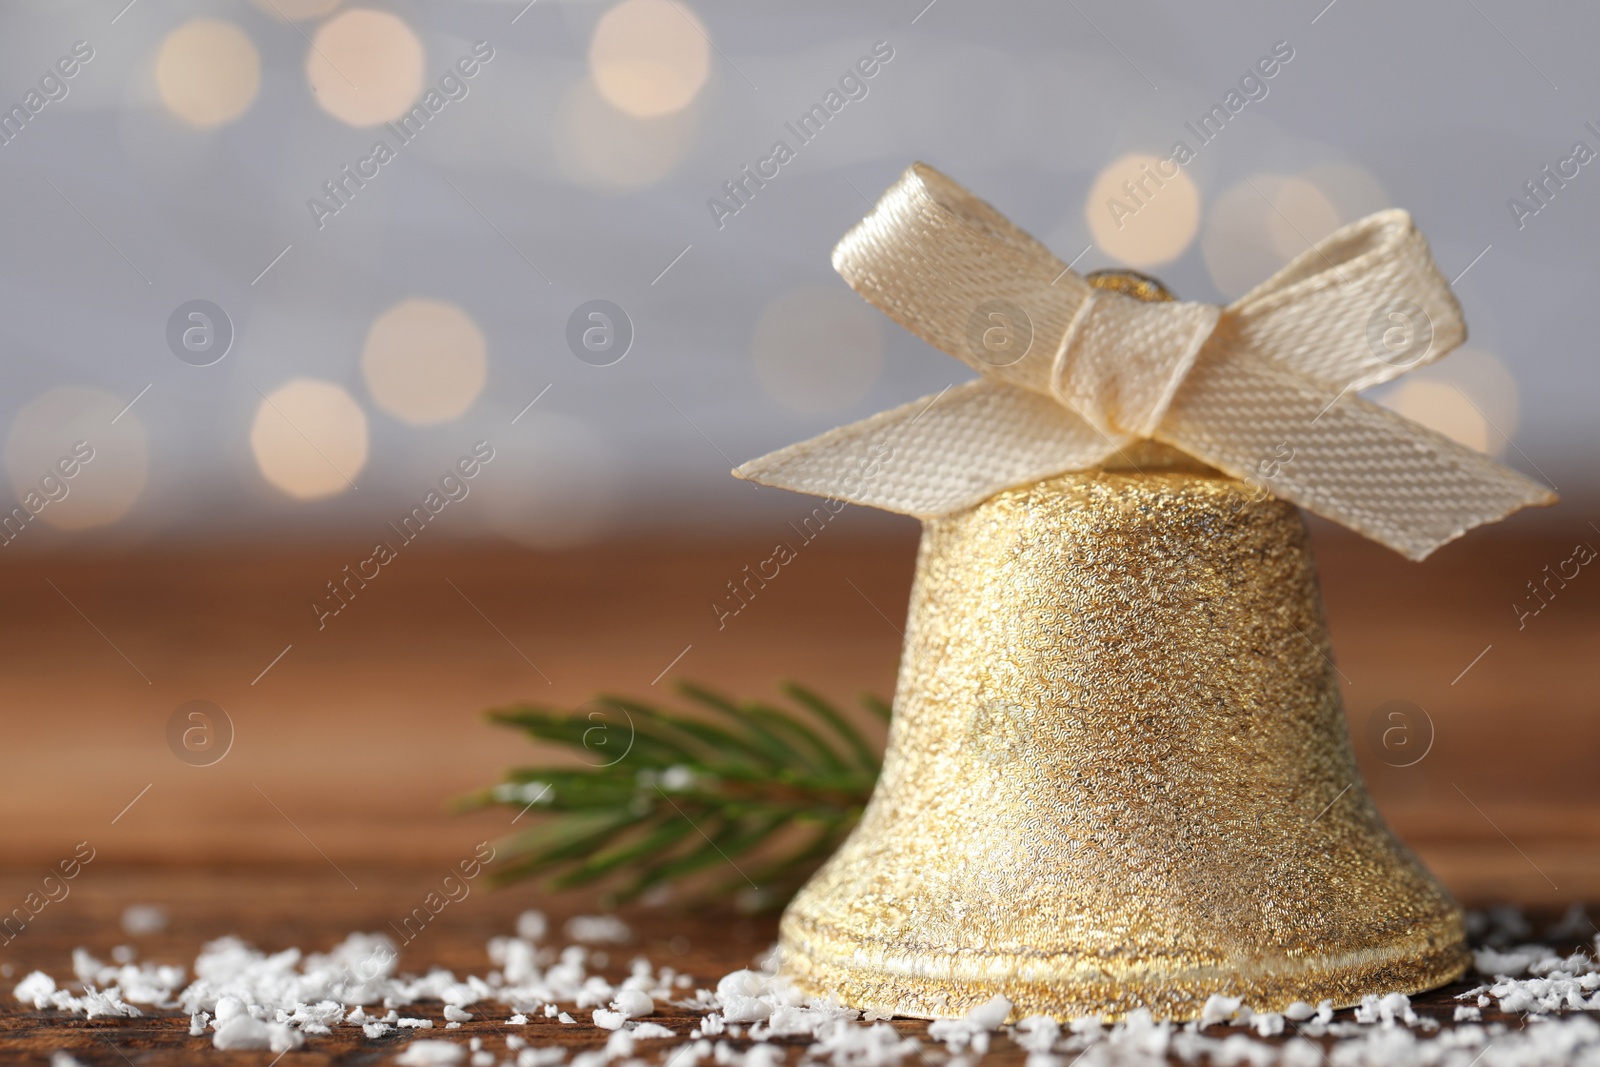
x=365, y=67
x=208, y=72
x=649, y=57
x=1143, y=210
x=184, y=155
x=309, y=439
x=113, y=457
x=425, y=361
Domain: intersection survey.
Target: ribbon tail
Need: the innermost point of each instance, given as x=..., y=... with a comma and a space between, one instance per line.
x=1339, y=456
x=939, y=454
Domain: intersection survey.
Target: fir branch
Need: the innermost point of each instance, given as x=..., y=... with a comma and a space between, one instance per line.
x=764, y=790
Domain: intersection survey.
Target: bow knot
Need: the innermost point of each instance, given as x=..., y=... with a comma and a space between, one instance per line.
x=1121, y=361
x=1240, y=388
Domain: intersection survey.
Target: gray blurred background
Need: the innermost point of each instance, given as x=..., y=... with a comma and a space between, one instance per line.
x=373, y=346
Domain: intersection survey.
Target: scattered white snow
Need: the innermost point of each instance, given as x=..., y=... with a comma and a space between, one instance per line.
x=39, y=989
x=245, y=999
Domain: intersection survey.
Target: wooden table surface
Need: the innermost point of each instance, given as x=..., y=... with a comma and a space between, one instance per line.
x=349, y=739
x=350, y=744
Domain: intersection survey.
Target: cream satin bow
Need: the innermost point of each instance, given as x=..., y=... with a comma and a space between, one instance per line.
x=1262, y=390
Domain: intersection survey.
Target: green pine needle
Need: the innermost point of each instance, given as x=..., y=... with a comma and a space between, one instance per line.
x=761, y=793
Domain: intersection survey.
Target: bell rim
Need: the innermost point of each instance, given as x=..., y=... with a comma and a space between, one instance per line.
x=870, y=975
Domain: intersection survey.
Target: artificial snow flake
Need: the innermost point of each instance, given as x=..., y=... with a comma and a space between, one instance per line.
x=246, y=1032
x=431, y=1054
x=598, y=930
x=1219, y=1009
x=36, y=989
x=141, y=919
x=532, y=925
x=1386, y=1009
x=1037, y=1033
x=863, y=1046
x=634, y=1003
x=973, y=1029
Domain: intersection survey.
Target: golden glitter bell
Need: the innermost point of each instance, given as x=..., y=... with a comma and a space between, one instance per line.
x=1118, y=775
x=1118, y=772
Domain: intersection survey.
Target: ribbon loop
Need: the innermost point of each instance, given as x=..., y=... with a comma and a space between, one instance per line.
x=1361, y=307
x=1261, y=390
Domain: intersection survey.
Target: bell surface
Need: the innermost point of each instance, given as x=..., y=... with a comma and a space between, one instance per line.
x=1118, y=775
